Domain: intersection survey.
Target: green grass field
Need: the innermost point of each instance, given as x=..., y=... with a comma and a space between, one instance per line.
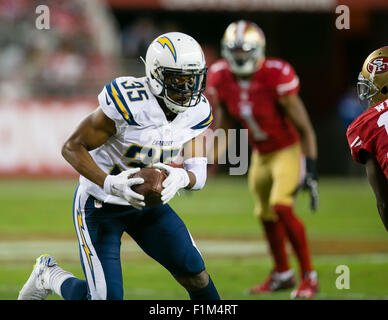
x=36, y=218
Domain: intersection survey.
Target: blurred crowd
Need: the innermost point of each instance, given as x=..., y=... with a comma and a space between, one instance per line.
x=76, y=55
x=81, y=51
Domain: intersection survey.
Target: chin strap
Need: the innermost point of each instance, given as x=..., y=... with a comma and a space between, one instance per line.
x=142, y=59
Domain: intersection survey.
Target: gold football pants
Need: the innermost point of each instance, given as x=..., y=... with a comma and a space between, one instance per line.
x=273, y=179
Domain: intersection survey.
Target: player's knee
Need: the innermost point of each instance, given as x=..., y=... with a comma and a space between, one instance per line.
x=282, y=209
x=194, y=282
x=278, y=202
x=286, y=214
x=265, y=214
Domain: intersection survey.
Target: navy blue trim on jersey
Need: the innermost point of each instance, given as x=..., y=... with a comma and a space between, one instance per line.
x=204, y=123
x=120, y=103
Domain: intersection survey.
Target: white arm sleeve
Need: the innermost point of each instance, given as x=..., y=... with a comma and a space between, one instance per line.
x=198, y=166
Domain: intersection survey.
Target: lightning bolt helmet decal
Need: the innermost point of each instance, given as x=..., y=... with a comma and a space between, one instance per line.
x=166, y=42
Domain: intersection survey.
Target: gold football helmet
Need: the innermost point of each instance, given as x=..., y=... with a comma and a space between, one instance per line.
x=243, y=46
x=372, y=85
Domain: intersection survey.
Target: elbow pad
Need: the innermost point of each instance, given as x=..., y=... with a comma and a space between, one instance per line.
x=197, y=166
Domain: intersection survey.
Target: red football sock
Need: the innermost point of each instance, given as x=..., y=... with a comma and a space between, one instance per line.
x=296, y=234
x=276, y=238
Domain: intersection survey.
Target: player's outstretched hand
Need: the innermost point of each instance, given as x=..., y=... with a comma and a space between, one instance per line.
x=310, y=182
x=177, y=179
x=120, y=186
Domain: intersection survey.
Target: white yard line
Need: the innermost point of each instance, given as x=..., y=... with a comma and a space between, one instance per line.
x=68, y=249
x=22, y=250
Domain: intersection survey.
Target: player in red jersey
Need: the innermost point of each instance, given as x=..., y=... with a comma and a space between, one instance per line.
x=262, y=94
x=368, y=133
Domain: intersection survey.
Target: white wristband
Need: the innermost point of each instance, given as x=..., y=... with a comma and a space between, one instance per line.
x=197, y=166
x=108, y=184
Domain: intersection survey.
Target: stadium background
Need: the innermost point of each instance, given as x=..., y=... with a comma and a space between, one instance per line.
x=49, y=79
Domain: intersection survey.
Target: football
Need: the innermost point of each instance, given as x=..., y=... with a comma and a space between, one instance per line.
x=152, y=186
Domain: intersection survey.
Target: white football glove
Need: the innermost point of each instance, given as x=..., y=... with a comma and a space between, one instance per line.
x=120, y=186
x=177, y=179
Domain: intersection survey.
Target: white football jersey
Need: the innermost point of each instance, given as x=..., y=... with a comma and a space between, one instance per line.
x=143, y=134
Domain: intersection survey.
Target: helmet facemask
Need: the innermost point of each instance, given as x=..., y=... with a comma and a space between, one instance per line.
x=242, y=57
x=181, y=88
x=366, y=90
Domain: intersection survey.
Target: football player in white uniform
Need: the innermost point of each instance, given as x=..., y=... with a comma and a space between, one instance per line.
x=140, y=122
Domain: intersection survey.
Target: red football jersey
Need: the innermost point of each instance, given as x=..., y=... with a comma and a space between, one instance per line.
x=255, y=103
x=369, y=132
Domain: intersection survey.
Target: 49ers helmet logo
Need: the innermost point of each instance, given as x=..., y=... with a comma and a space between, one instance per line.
x=381, y=64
